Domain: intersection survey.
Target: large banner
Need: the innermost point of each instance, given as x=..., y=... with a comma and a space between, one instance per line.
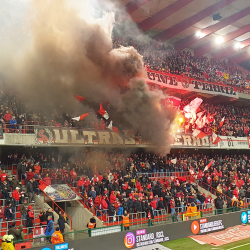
x=61, y=192
x=66, y=136
x=49, y=136
x=227, y=142
x=189, y=84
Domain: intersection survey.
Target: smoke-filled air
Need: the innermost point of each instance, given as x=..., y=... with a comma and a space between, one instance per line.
x=67, y=51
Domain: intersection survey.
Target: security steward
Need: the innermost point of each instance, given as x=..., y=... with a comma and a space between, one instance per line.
x=92, y=223
x=57, y=237
x=125, y=221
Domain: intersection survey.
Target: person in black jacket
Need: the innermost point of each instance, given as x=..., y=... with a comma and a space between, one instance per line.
x=111, y=212
x=5, y=190
x=43, y=218
x=160, y=204
x=61, y=223
x=125, y=204
x=29, y=187
x=11, y=200
x=49, y=213
x=219, y=204
x=131, y=205
x=9, y=213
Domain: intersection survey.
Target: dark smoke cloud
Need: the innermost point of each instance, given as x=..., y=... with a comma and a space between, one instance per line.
x=73, y=55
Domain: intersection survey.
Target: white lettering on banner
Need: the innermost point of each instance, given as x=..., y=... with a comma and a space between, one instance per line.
x=189, y=84
x=62, y=136
x=149, y=239
x=211, y=226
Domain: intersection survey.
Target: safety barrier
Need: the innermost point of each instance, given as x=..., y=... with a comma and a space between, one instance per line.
x=115, y=227
x=53, y=204
x=91, y=207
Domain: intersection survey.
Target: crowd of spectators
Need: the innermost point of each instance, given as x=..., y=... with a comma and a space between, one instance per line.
x=117, y=183
x=236, y=120
x=166, y=59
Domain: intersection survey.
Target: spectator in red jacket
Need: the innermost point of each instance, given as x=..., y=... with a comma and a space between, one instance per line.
x=80, y=184
x=30, y=175
x=97, y=203
x=16, y=195
x=3, y=176
x=73, y=175
x=104, y=206
x=7, y=117
x=112, y=197
x=47, y=179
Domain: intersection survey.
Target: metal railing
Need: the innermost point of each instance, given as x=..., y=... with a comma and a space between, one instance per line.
x=53, y=203
x=144, y=222
x=211, y=189
x=89, y=205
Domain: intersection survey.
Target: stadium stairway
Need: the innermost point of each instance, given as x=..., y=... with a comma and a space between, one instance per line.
x=206, y=192
x=39, y=201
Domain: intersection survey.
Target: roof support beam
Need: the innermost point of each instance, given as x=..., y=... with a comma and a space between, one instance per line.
x=205, y=48
x=179, y=27
x=229, y=51
x=163, y=14
x=211, y=29
x=135, y=5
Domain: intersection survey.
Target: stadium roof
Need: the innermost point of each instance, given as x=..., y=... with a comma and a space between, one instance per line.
x=178, y=21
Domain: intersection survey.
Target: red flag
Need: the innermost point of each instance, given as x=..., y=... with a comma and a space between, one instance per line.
x=79, y=118
x=208, y=165
x=199, y=134
x=172, y=100
x=103, y=112
x=42, y=185
x=115, y=129
x=216, y=139
x=79, y=98
x=222, y=121
x=210, y=118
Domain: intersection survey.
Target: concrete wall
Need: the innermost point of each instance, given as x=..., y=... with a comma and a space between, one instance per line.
x=80, y=216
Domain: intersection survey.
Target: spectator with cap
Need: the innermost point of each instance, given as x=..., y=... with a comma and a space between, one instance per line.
x=30, y=218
